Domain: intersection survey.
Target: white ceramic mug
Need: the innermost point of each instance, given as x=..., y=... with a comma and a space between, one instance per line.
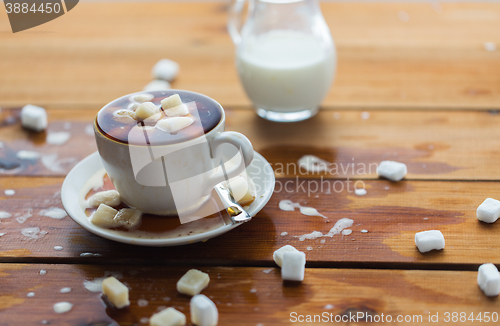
x=175, y=178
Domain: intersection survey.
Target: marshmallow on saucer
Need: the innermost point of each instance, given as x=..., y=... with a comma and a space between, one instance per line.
x=109, y=197
x=129, y=218
x=394, y=171
x=34, y=118
x=242, y=190
x=429, y=240
x=104, y=217
x=489, y=210
x=488, y=279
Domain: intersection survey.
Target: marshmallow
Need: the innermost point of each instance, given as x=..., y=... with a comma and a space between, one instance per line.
x=174, y=124
x=243, y=192
x=193, y=282
x=168, y=317
x=177, y=111
x=165, y=69
x=489, y=210
x=62, y=307
x=125, y=114
x=429, y=240
x=488, y=279
x=171, y=101
x=27, y=155
x=128, y=218
x=157, y=85
x=116, y=292
x=293, y=266
x=104, y=217
x=278, y=254
x=34, y=118
x=133, y=106
x=145, y=110
x=203, y=311
x=141, y=98
x=391, y=170
x=490, y=46
x=110, y=198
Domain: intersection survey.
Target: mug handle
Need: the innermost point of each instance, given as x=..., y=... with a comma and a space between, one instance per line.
x=244, y=147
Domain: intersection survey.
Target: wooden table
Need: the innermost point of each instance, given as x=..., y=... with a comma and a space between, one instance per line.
x=432, y=93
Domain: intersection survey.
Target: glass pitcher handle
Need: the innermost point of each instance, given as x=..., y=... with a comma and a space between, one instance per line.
x=234, y=21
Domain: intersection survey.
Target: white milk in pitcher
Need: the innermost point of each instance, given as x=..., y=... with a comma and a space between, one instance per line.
x=285, y=71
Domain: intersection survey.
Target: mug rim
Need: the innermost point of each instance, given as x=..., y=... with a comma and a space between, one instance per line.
x=222, y=120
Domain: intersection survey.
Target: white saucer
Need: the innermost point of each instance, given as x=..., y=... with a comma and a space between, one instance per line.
x=260, y=171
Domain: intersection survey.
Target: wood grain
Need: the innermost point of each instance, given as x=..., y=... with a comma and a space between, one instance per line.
x=391, y=213
x=258, y=294
x=435, y=145
x=431, y=94
x=435, y=59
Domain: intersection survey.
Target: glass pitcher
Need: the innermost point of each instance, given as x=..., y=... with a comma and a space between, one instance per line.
x=285, y=56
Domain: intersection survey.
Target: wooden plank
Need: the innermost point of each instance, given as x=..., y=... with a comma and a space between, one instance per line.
x=54, y=159
x=435, y=145
x=391, y=213
x=435, y=59
x=258, y=294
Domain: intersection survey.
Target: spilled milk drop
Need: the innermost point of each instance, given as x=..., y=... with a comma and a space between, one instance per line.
x=62, y=307
x=31, y=233
x=4, y=214
x=21, y=219
x=288, y=205
x=94, y=285
x=360, y=192
x=340, y=225
x=54, y=212
x=57, y=138
x=310, y=211
x=313, y=163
